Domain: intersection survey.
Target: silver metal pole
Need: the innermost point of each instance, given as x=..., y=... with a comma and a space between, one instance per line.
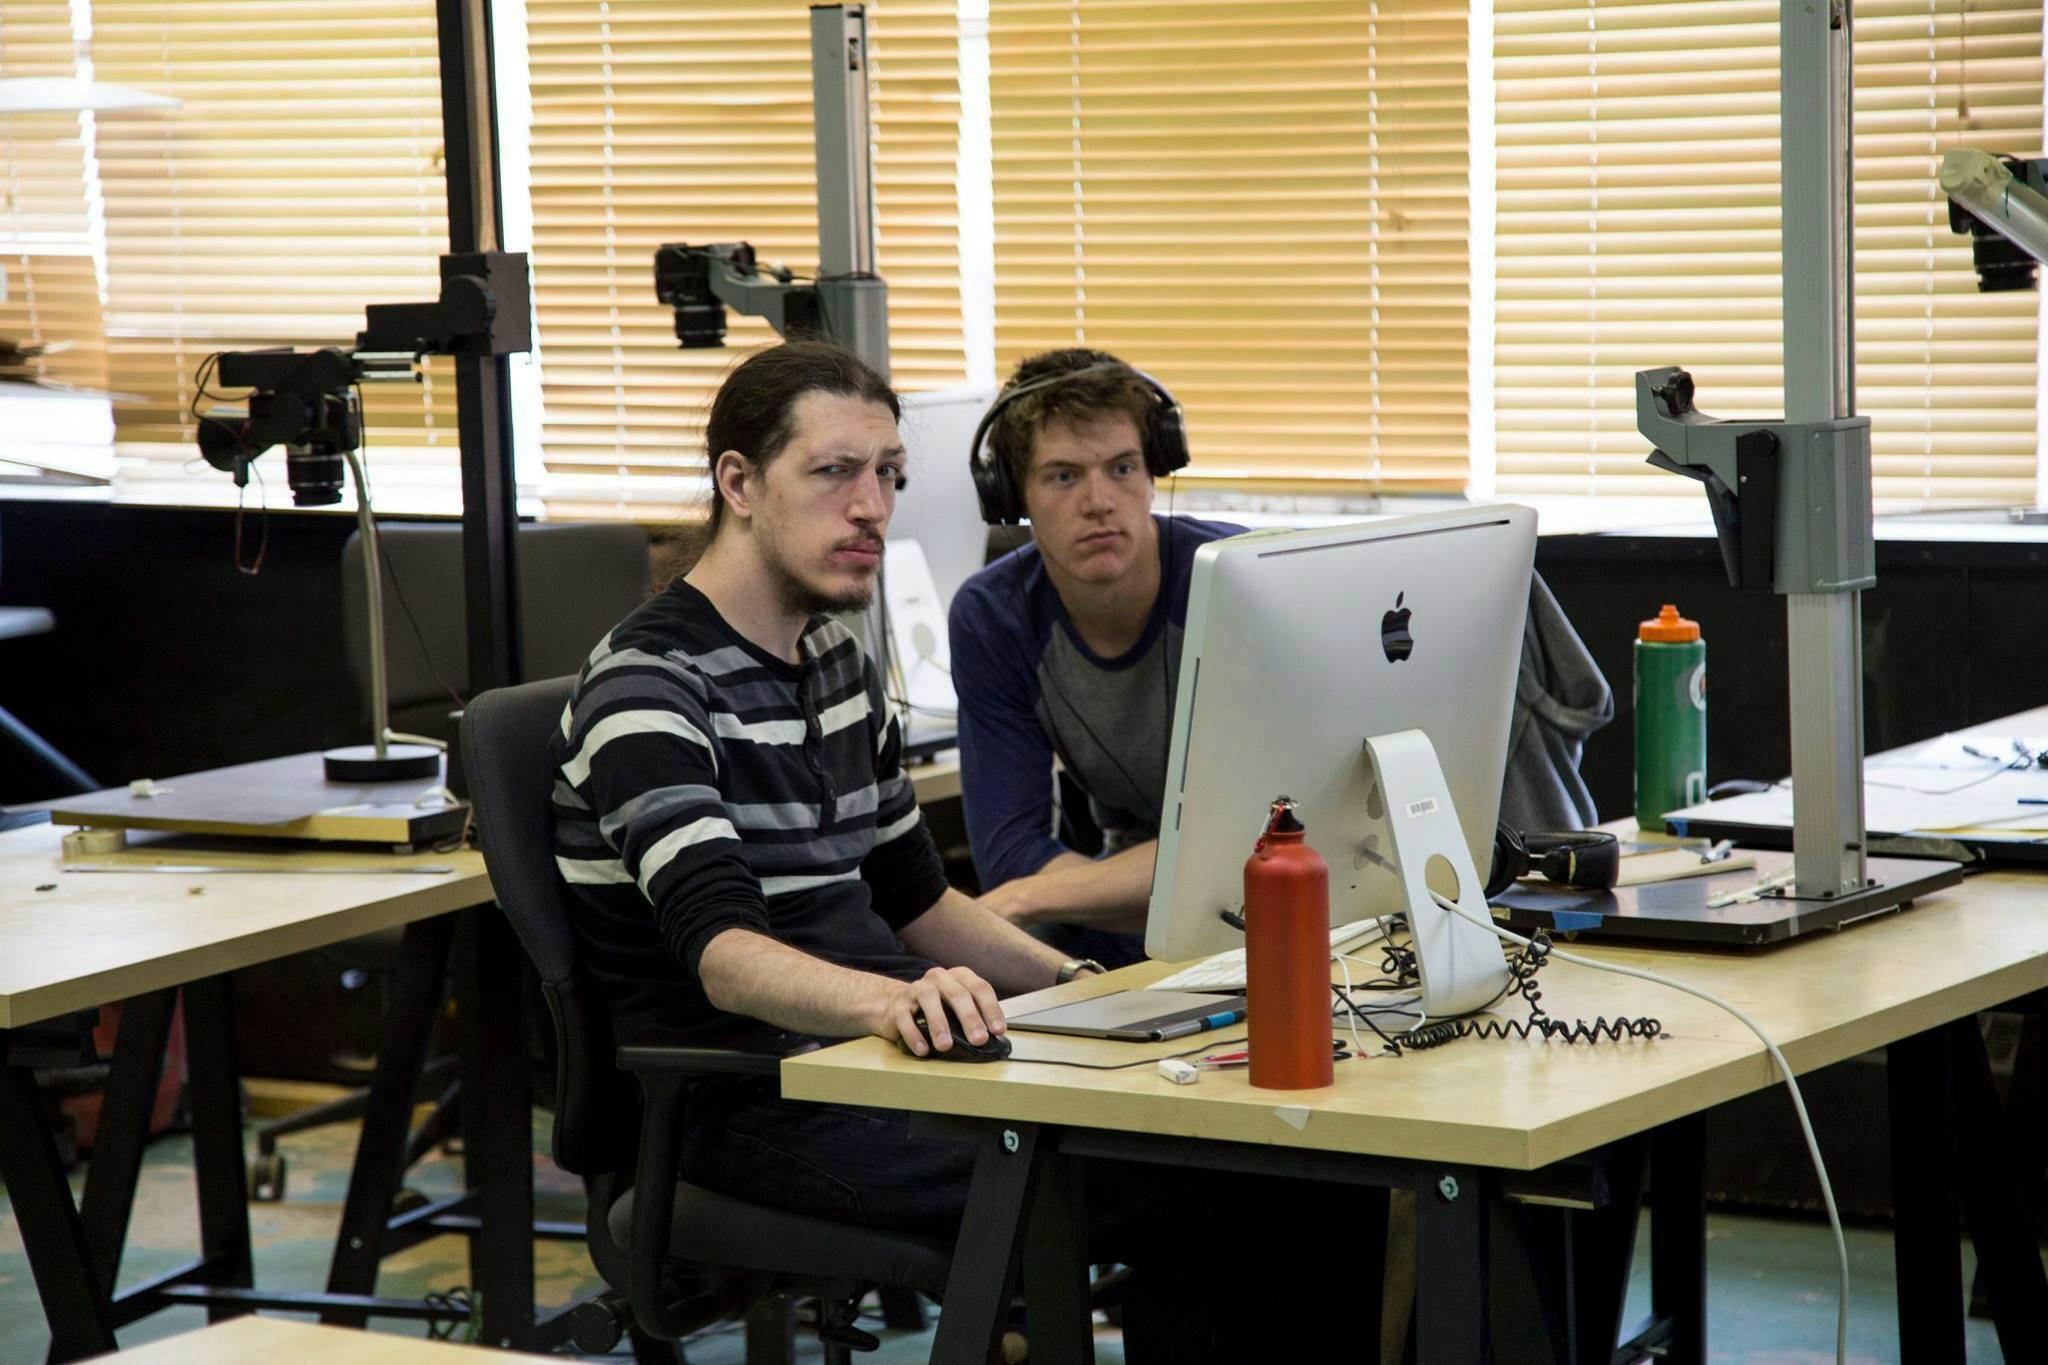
x=373, y=582
x=839, y=103
x=853, y=302
x=1824, y=630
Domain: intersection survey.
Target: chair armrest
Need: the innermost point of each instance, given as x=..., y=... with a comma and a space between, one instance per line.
x=654, y=1194
x=667, y=1067
x=738, y=1048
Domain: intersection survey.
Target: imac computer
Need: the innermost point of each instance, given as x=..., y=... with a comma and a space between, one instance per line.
x=1300, y=647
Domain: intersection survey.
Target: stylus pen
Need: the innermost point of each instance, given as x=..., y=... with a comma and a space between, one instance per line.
x=1201, y=1025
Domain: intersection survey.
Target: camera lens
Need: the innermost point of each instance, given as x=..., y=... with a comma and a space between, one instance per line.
x=315, y=479
x=700, y=323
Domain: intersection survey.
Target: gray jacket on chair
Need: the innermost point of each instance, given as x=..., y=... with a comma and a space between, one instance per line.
x=1560, y=698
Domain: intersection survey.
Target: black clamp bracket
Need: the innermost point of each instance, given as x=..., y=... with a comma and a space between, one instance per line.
x=1790, y=500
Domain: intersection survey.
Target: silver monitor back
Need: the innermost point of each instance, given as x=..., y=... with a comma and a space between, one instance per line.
x=1297, y=650
x=938, y=509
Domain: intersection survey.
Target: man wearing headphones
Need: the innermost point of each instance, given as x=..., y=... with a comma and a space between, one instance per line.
x=1070, y=646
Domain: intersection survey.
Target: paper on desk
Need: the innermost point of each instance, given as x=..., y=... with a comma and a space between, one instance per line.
x=1886, y=810
x=1954, y=757
x=1670, y=864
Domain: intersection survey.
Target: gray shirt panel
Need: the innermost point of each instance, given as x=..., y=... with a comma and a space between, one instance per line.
x=1111, y=724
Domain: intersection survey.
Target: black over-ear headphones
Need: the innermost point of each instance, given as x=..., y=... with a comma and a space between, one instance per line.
x=1164, y=435
x=1588, y=859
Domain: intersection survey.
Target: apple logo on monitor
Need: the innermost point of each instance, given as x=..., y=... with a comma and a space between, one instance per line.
x=1394, y=635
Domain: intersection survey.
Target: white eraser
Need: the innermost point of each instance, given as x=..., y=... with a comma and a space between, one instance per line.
x=1179, y=1072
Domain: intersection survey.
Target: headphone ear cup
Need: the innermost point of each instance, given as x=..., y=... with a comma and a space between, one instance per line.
x=992, y=488
x=1166, y=437
x=1510, y=861
x=1589, y=860
x=1000, y=505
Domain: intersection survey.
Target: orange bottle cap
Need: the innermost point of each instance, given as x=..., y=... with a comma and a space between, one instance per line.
x=1669, y=628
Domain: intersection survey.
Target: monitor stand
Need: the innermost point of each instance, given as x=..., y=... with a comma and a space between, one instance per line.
x=1461, y=963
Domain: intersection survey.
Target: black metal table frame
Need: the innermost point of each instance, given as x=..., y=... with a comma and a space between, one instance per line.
x=1024, y=1221
x=74, y=1250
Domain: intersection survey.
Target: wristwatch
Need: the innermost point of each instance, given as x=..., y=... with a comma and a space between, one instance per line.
x=1069, y=970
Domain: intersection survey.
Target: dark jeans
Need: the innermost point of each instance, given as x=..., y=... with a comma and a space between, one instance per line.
x=1223, y=1268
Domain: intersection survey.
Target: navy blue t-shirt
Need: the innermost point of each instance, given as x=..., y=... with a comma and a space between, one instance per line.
x=1029, y=687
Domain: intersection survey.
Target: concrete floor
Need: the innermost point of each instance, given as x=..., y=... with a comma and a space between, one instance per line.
x=1771, y=1282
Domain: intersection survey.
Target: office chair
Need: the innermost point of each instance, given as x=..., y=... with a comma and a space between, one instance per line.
x=679, y=1257
x=576, y=582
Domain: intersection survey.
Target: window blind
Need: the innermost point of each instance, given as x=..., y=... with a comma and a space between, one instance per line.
x=1264, y=205
x=53, y=292
x=300, y=180
x=1638, y=225
x=690, y=121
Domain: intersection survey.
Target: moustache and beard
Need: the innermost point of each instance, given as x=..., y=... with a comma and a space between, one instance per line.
x=801, y=596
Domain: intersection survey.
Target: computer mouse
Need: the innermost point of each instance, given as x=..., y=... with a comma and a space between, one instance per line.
x=964, y=1049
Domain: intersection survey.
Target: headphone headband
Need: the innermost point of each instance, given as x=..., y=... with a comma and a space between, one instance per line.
x=1163, y=436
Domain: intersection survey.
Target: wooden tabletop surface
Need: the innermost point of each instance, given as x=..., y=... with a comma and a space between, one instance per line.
x=274, y=1341
x=1513, y=1104
x=72, y=940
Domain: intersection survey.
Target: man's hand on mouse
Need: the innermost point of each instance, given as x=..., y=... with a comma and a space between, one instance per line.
x=942, y=995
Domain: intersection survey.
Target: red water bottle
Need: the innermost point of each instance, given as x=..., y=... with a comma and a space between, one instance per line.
x=1287, y=957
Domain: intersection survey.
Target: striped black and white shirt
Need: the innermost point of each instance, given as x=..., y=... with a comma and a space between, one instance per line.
x=703, y=784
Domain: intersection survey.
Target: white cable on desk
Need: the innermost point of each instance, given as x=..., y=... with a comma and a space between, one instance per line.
x=1820, y=1169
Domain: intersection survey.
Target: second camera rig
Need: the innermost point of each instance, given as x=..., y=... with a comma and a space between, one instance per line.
x=309, y=401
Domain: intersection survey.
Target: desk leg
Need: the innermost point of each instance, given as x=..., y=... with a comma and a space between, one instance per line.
x=414, y=1001
x=497, y=1123
x=130, y=1098
x=1926, y=1252
x=2001, y=1211
x=984, y=1273
x=1678, y=1237
x=1056, y=1304
x=223, y=1177
x=58, y=1255
x=1452, y=1306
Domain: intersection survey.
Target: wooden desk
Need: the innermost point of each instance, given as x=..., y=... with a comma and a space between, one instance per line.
x=1475, y=1107
x=271, y=1341
x=936, y=781
x=74, y=940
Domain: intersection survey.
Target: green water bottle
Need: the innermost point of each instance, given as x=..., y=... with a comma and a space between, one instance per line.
x=1671, y=717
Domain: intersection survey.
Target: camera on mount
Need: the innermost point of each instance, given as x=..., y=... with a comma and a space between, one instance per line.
x=699, y=281
x=304, y=401
x=2002, y=265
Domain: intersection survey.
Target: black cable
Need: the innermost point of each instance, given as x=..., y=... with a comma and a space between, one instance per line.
x=391, y=570
x=255, y=566
x=200, y=379
x=1522, y=970
x=461, y=1300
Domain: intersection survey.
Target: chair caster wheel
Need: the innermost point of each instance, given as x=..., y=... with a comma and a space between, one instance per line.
x=849, y=1336
x=596, y=1325
x=267, y=1178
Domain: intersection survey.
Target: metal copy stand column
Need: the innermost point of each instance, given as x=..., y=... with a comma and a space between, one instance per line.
x=1824, y=630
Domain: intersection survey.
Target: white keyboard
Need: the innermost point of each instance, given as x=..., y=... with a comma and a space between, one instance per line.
x=1225, y=971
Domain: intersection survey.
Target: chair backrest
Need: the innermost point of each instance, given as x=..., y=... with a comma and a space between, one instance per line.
x=575, y=583
x=505, y=750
